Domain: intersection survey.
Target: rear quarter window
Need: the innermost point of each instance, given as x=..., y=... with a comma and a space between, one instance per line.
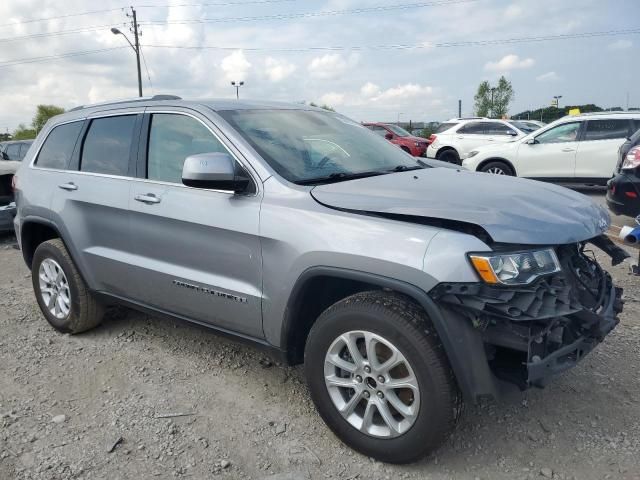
x=443, y=127
x=58, y=146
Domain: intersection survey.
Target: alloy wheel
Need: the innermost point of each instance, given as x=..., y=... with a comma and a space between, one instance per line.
x=372, y=384
x=54, y=288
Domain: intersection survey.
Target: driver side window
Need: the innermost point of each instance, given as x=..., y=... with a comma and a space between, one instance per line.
x=567, y=132
x=172, y=138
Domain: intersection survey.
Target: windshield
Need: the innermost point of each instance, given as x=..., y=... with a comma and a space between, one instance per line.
x=401, y=132
x=303, y=145
x=525, y=126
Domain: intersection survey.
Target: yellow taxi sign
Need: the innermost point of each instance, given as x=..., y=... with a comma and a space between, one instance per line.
x=574, y=111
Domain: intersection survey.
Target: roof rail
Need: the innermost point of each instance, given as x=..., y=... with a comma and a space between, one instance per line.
x=128, y=100
x=469, y=118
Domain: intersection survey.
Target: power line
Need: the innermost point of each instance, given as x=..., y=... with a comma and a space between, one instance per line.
x=424, y=45
x=327, y=13
x=215, y=4
x=11, y=63
x=44, y=19
x=106, y=10
x=91, y=28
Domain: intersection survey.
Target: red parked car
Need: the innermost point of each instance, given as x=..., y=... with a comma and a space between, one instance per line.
x=416, y=146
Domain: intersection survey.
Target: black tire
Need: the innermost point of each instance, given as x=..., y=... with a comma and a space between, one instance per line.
x=450, y=156
x=497, y=166
x=407, y=327
x=85, y=312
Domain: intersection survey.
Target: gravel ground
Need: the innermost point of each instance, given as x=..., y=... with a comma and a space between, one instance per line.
x=94, y=406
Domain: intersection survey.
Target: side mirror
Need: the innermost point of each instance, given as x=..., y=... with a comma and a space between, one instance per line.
x=388, y=136
x=513, y=133
x=215, y=171
x=531, y=141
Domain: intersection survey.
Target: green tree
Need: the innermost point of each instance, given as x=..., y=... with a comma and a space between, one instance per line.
x=323, y=106
x=24, y=133
x=482, y=99
x=493, y=101
x=44, y=113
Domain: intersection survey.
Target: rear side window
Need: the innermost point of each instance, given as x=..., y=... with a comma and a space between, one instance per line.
x=172, y=138
x=444, y=127
x=495, y=128
x=472, y=128
x=607, y=129
x=107, y=145
x=58, y=147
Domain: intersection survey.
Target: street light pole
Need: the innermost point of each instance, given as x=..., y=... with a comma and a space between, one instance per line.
x=398, y=121
x=135, y=46
x=237, y=85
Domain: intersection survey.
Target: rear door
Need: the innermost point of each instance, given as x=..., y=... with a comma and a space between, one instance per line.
x=468, y=137
x=497, y=132
x=597, y=152
x=553, y=154
x=91, y=199
x=196, y=252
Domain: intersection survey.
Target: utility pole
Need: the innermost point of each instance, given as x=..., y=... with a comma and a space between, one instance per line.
x=459, y=108
x=135, y=45
x=137, y=49
x=493, y=91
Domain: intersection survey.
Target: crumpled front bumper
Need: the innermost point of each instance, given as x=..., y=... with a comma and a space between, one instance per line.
x=531, y=333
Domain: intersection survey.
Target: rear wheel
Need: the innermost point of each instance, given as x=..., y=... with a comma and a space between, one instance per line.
x=379, y=378
x=61, y=293
x=497, y=168
x=450, y=156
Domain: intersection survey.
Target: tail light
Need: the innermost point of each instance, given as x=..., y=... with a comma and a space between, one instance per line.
x=632, y=160
x=14, y=183
x=432, y=138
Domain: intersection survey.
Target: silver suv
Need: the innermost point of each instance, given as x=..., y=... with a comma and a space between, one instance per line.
x=404, y=285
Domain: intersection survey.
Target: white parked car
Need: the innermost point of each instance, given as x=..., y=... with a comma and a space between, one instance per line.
x=574, y=149
x=455, y=138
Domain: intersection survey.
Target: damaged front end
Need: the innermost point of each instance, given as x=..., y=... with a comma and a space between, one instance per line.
x=532, y=332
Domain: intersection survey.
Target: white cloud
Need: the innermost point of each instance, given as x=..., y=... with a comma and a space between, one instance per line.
x=403, y=92
x=621, y=44
x=278, y=70
x=513, y=11
x=547, y=77
x=331, y=65
x=332, y=99
x=509, y=62
x=235, y=66
x=370, y=89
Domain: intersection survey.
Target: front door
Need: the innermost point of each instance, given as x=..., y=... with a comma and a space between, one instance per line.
x=552, y=155
x=196, y=251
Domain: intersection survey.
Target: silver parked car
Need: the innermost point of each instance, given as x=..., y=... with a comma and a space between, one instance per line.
x=404, y=285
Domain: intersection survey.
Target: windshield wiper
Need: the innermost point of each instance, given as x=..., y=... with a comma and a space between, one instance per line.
x=405, y=168
x=339, y=177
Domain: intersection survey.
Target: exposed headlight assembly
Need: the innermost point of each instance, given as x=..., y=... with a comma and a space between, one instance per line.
x=518, y=268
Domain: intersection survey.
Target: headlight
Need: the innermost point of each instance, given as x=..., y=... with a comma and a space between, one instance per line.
x=418, y=144
x=518, y=268
x=473, y=153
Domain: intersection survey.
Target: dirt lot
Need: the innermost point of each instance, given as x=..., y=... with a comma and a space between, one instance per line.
x=91, y=406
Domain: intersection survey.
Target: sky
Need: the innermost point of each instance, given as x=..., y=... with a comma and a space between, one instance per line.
x=279, y=49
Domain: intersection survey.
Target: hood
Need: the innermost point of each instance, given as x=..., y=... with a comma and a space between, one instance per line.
x=509, y=209
x=499, y=147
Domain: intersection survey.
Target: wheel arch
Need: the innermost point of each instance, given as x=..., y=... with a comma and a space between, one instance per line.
x=498, y=159
x=33, y=232
x=462, y=344
x=446, y=148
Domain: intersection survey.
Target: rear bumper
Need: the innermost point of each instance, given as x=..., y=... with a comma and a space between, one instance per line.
x=619, y=189
x=530, y=334
x=7, y=214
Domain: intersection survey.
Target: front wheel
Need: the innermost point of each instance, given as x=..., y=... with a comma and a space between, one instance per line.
x=497, y=168
x=379, y=377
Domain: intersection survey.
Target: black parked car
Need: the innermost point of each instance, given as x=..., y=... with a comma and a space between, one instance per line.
x=623, y=190
x=14, y=150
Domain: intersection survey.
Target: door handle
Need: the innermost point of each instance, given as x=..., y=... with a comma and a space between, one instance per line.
x=149, y=198
x=568, y=149
x=68, y=186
